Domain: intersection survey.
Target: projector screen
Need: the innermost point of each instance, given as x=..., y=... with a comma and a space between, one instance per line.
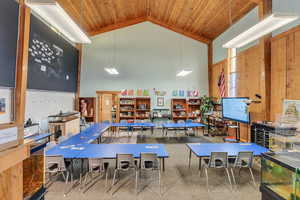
x=236, y=109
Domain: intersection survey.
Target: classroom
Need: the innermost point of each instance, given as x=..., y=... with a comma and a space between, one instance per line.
x=149, y=99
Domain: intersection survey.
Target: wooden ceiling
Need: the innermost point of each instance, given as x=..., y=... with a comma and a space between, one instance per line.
x=202, y=20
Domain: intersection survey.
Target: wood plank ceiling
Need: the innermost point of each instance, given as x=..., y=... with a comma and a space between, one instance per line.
x=202, y=20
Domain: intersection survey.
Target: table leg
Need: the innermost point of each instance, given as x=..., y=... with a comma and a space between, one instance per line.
x=152, y=129
x=200, y=159
x=163, y=164
x=190, y=157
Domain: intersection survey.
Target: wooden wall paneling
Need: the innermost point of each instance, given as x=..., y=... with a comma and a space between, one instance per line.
x=293, y=66
x=11, y=183
x=278, y=76
x=77, y=95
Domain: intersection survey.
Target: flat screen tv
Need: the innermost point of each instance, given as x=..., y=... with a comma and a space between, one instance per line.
x=236, y=109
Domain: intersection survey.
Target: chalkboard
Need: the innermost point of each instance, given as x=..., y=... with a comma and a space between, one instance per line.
x=53, y=61
x=9, y=13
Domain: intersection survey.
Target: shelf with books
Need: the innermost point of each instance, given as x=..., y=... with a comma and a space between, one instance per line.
x=178, y=109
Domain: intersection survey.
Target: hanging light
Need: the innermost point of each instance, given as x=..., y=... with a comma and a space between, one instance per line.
x=56, y=16
x=264, y=27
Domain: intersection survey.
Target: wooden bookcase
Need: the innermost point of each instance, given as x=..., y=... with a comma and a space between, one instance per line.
x=193, y=108
x=183, y=109
x=143, y=108
x=179, y=109
x=87, y=107
x=127, y=108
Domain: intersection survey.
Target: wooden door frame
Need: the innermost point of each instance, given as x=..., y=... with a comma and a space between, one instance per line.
x=101, y=92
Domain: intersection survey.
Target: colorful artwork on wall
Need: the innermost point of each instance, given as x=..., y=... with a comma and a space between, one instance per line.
x=181, y=93
x=146, y=93
x=175, y=93
x=139, y=92
x=2, y=106
x=124, y=92
x=130, y=92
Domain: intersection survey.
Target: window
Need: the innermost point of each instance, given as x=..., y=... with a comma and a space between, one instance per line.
x=232, y=87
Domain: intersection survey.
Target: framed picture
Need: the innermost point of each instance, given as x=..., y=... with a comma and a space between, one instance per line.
x=160, y=101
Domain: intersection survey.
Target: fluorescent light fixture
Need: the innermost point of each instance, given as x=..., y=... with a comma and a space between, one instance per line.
x=112, y=71
x=264, y=27
x=56, y=16
x=184, y=73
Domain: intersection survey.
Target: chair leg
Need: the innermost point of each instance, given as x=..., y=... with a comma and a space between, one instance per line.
x=67, y=178
x=233, y=177
x=115, y=172
x=229, y=179
x=252, y=175
x=136, y=180
x=159, y=181
x=106, y=177
x=206, y=174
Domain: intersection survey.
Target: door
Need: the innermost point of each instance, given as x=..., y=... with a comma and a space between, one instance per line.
x=105, y=105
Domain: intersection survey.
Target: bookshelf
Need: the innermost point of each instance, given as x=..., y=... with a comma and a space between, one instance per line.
x=135, y=108
x=143, y=108
x=127, y=108
x=179, y=109
x=183, y=109
x=193, y=108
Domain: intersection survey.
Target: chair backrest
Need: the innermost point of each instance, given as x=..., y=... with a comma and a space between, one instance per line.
x=138, y=121
x=125, y=162
x=180, y=121
x=123, y=121
x=170, y=121
x=55, y=164
x=106, y=122
x=147, y=121
x=244, y=159
x=189, y=121
x=69, y=135
x=50, y=145
x=149, y=161
x=218, y=160
x=62, y=138
x=94, y=163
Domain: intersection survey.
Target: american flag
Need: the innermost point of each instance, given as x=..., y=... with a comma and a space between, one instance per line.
x=221, y=84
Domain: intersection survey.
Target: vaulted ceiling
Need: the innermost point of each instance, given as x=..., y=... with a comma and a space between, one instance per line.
x=202, y=20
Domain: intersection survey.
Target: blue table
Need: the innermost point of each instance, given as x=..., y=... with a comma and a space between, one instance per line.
x=110, y=151
x=202, y=150
x=135, y=125
x=180, y=126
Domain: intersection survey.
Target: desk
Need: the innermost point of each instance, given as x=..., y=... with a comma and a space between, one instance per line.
x=135, y=125
x=180, y=126
x=110, y=151
x=202, y=150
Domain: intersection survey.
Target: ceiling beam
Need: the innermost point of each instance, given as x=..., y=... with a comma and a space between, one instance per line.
x=180, y=31
x=118, y=25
